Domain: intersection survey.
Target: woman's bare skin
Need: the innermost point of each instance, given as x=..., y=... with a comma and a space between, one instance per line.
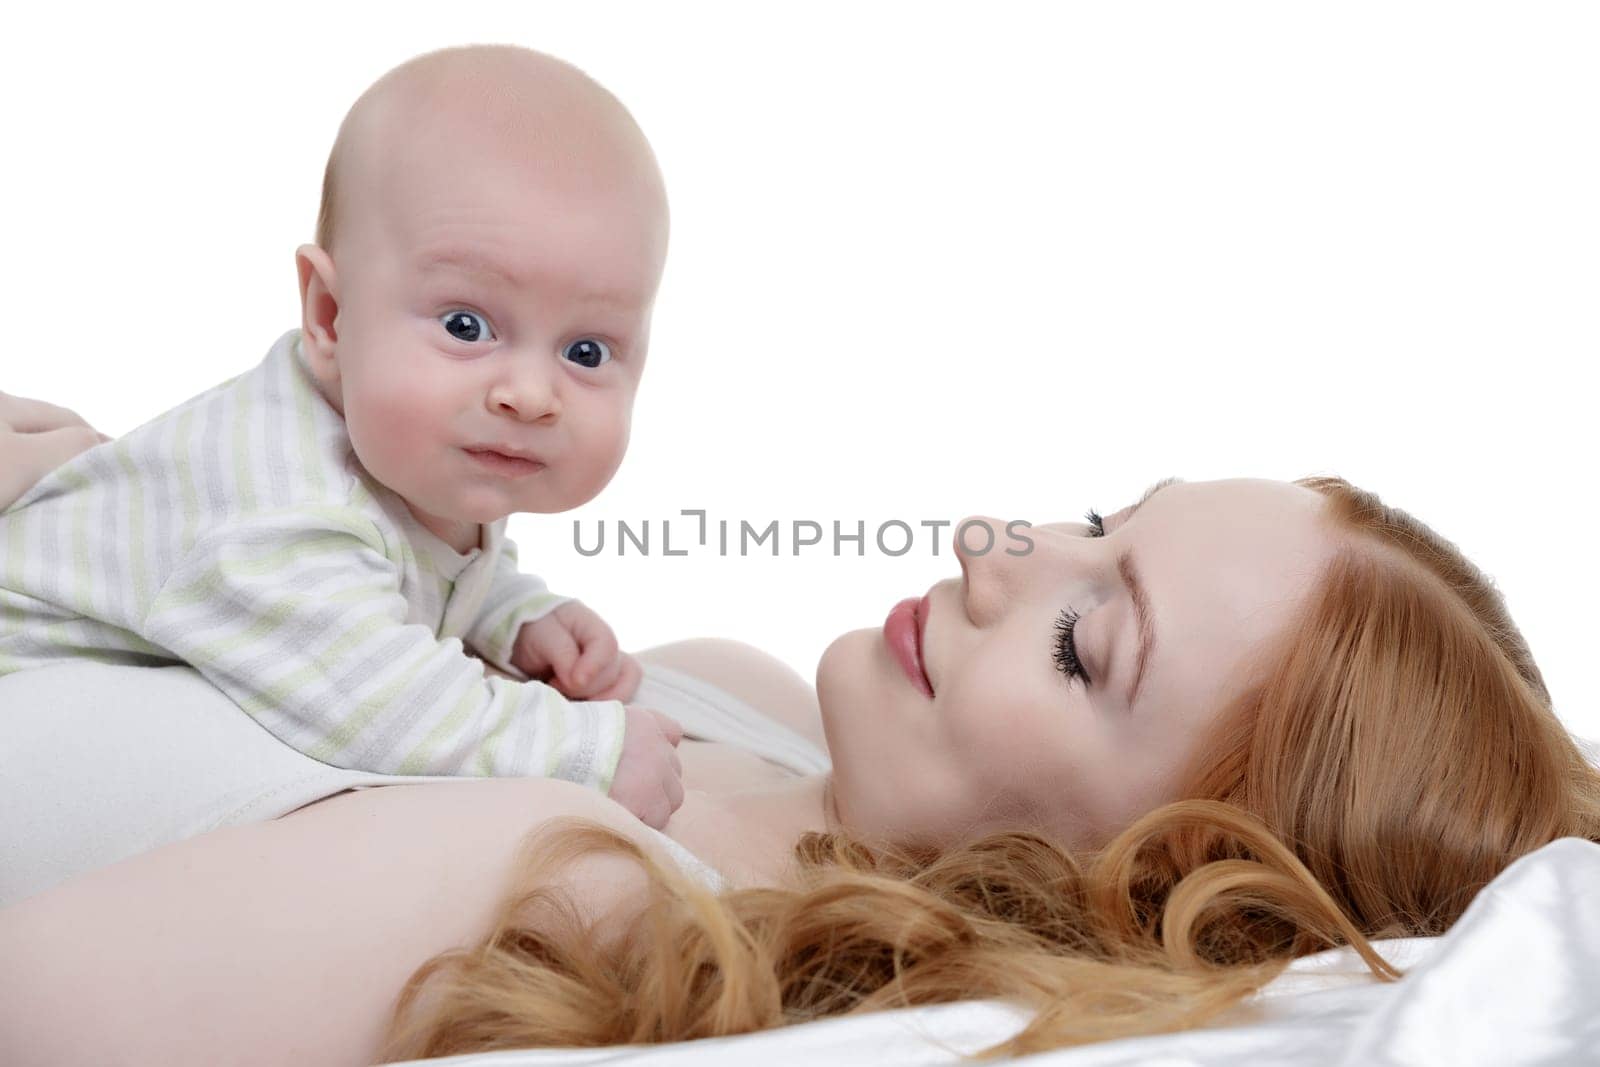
x=170, y=975
x=174, y=976
x=36, y=437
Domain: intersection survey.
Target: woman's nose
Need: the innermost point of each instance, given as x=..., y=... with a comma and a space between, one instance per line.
x=526, y=394
x=988, y=553
x=1003, y=563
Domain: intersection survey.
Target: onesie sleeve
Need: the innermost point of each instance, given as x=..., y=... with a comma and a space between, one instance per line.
x=514, y=598
x=298, y=616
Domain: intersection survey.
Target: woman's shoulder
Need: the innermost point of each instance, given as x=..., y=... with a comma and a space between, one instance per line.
x=225, y=926
x=480, y=821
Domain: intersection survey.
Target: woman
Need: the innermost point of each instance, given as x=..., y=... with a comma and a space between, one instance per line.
x=36, y=437
x=1320, y=728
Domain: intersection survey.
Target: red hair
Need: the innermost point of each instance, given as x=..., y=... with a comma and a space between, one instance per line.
x=1399, y=752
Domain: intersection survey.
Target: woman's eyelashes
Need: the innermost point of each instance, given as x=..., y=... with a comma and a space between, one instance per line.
x=1066, y=648
x=588, y=352
x=1065, y=645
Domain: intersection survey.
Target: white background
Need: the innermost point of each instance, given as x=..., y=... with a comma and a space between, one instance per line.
x=927, y=260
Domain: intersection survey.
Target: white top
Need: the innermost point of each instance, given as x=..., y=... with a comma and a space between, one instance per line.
x=161, y=755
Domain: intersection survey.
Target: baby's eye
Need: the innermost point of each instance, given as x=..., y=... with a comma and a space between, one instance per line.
x=588, y=352
x=471, y=325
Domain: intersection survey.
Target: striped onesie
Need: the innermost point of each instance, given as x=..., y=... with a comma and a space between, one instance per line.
x=238, y=533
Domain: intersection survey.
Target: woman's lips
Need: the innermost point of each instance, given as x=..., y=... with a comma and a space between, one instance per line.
x=500, y=463
x=902, y=631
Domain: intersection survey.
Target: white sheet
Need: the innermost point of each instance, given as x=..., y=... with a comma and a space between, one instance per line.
x=1515, y=982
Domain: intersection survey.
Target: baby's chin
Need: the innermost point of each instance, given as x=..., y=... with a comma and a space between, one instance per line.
x=488, y=506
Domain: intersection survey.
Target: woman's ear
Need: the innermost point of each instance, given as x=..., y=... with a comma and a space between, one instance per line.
x=319, y=310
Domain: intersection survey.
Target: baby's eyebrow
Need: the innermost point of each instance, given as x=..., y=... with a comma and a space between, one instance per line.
x=467, y=262
x=470, y=261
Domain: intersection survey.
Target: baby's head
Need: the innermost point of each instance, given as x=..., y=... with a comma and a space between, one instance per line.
x=492, y=234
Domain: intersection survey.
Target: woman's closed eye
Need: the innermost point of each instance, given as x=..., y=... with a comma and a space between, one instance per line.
x=1065, y=647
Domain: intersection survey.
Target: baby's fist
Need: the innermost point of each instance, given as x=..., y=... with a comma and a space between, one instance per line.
x=649, y=778
x=574, y=650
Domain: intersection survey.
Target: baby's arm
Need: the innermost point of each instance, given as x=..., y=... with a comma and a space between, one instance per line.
x=514, y=599
x=297, y=615
x=526, y=630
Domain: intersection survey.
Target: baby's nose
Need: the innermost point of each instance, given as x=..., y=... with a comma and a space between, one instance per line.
x=529, y=397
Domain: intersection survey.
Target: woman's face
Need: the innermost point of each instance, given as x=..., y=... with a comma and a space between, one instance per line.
x=1007, y=740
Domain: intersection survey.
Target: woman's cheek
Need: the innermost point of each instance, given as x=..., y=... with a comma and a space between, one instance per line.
x=992, y=715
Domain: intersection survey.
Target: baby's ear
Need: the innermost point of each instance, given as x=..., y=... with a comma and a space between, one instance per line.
x=319, y=307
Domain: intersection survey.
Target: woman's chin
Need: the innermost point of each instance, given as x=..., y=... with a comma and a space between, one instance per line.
x=847, y=661
x=844, y=677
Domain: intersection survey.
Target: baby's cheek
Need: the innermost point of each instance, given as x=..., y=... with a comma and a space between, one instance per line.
x=602, y=439
x=397, y=423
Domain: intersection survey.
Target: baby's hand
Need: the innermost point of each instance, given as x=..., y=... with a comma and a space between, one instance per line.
x=649, y=778
x=574, y=650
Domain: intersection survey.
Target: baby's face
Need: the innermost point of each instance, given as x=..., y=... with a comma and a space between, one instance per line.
x=488, y=313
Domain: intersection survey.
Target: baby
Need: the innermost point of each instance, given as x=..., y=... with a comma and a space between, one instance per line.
x=323, y=536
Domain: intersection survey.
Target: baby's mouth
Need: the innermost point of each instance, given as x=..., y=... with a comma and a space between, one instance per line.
x=505, y=463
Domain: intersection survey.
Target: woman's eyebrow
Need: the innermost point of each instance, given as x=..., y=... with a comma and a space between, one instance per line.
x=1141, y=613
x=1129, y=573
x=1148, y=493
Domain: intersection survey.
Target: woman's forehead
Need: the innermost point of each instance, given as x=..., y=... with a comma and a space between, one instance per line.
x=1218, y=497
